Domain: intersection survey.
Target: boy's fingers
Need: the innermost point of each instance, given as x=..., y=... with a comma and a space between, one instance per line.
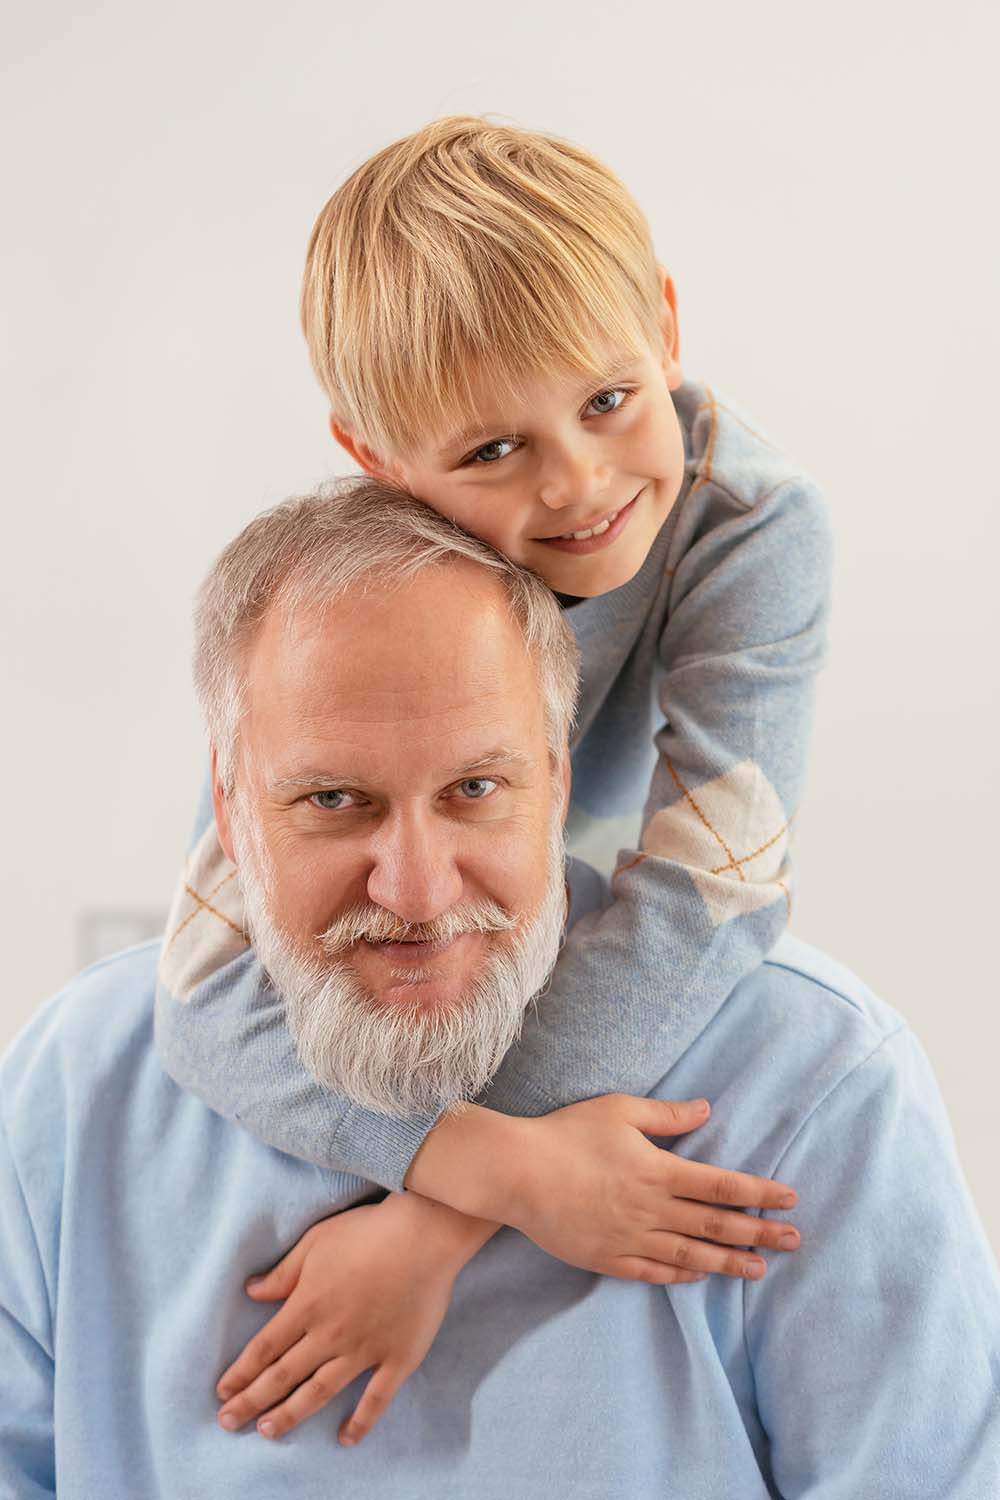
x=697, y=1255
x=691, y=1179
x=719, y=1225
x=273, y=1385
x=654, y=1272
x=280, y=1281
x=662, y=1117
x=311, y=1396
x=283, y=1331
x=378, y=1397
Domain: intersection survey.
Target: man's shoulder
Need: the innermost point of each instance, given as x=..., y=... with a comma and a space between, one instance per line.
x=817, y=1011
x=78, y=1037
x=800, y=973
x=791, y=1033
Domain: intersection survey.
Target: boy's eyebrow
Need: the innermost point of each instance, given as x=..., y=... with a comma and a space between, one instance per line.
x=461, y=440
x=464, y=439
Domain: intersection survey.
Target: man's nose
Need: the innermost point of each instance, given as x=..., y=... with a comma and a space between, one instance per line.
x=414, y=873
x=574, y=475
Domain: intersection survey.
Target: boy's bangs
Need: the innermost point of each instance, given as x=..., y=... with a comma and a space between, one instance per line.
x=470, y=253
x=430, y=393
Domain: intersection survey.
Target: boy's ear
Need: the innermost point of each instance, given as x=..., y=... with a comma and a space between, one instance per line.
x=359, y=451
x=671, y=332
x=220, y=805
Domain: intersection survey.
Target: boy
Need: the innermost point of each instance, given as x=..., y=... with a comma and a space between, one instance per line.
x=486, y=314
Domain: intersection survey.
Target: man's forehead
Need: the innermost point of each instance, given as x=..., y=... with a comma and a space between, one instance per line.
x=409, y=682
x=438, y=695
x=437, y=644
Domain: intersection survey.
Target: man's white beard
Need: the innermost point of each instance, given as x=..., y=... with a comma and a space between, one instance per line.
x=393, y=1057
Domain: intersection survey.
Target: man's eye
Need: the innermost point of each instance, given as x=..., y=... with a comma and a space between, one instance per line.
x=331, y=801
x=475, y=788
x=490, y=452
x=606, y=401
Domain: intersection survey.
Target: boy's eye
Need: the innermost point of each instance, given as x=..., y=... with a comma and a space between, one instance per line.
x=475, y=788
x=606, y=401
x=332, y=800
x=490, y=452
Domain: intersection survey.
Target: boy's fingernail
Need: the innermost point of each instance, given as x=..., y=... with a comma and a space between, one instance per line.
x=266, y=1429
x=223, y=1392
x=755, y=1270
x=788, y=1201
x=700, y=1106
x=253, y=1281
x=228, y=1422
x=348, y=1439
x=788, y=1242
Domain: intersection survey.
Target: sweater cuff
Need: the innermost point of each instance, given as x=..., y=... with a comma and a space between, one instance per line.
x=511, y=1095
x=380, y=1147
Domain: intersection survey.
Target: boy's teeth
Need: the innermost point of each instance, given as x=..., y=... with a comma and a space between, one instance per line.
x=598, y=530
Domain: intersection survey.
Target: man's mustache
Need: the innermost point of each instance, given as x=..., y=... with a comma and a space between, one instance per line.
x=373, y=924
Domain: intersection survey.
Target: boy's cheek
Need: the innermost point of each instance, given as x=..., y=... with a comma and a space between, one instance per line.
x=490, y=515
x=659, y=448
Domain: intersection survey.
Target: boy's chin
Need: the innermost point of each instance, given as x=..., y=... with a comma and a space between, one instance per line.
x=590, y=583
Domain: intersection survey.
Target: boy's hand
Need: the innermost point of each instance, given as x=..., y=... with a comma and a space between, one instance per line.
x=599, y=1195
x=587, y=1186
x=364, y=1290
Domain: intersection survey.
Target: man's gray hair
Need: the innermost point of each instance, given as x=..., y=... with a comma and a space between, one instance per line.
x=354, y=534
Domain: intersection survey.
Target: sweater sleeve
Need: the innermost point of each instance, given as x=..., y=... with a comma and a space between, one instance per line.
x=706, y=894
x=27, y=1442
x=693, y=909
x=221, y=1034
x=876, y=1349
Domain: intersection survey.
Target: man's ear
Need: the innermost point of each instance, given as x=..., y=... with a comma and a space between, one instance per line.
x=220, y=803
x=360, y=452
x=671, y=333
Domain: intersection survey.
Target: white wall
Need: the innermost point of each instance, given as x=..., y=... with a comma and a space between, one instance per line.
x=821, y=182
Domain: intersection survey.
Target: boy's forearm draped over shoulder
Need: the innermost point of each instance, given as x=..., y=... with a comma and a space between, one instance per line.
x=707, y=893
x=727, y=618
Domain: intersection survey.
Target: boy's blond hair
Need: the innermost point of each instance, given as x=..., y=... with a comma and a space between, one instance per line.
x=470, y=250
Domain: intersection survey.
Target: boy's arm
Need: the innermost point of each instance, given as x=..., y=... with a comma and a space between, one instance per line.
x=876, y=1350
x=228, y=1043
x=693, y=910
x=706, y=894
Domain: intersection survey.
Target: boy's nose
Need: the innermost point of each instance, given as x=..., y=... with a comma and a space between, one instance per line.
x=573, y=479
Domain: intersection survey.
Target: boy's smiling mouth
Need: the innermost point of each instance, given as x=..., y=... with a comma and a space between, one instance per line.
x=605, y=530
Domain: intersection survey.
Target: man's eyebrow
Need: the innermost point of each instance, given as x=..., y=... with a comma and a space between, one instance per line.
x=500, y=759
x=623, y=362
x=312, y=779
x=494, y=760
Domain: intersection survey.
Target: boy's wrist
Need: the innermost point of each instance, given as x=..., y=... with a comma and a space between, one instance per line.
x=450, y=1237
x=473, y=1160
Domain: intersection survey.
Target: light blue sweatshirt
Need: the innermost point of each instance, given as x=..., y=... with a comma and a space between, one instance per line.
x=864, y=1367
x=696, y=701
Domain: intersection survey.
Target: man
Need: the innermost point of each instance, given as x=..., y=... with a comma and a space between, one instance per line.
x=865, y=1364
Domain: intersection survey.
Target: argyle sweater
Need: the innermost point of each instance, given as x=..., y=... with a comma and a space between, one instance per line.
x=689, y=753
